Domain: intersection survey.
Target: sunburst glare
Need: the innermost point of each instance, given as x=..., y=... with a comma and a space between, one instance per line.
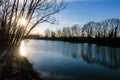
x=22, y=21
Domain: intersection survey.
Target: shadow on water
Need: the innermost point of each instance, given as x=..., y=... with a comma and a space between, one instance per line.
x=13, y=66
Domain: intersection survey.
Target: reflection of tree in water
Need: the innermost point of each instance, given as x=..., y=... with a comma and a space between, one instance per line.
x=109, y=57
x=15, y=67
x=75, y=55
x=87, y=58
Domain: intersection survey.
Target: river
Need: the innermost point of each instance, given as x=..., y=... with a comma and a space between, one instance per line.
x=59, y=60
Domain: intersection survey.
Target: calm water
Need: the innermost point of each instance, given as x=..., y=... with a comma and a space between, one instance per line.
x=67, y=61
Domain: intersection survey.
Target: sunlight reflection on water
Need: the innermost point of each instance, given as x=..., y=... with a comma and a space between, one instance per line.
x=23, y=49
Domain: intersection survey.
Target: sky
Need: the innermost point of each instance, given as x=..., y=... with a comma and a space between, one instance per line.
x=82, y=11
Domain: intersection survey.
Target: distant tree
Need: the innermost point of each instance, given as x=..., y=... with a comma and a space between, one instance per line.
x=47, y=33
x=69, y=32
x=75, y=29
x=98, y=30
x=53, y=34
x=88, y=29
x=105, y=28
x=65, y=32
x=58, y=33
x=114, y=25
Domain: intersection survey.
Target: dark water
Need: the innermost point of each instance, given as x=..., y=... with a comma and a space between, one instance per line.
x=67, y=61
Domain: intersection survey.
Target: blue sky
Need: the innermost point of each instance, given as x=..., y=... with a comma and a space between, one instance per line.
x=83, y=11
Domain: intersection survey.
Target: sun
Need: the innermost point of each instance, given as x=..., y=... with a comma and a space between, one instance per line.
x=22, y=21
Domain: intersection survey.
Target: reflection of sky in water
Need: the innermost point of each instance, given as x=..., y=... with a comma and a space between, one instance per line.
x=71, y=60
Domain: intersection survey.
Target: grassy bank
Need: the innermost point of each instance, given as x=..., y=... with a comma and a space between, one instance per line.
x=13, y=66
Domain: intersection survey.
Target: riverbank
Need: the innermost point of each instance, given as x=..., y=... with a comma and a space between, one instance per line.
x=16, y=67
x=114, y=42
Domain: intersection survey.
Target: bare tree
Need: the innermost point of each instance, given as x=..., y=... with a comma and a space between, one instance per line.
x=53, y=34
x=58, y=33
x=75, y=30
x=66, y=32
x=47, y=33
x=88, y=29
x=30, y=12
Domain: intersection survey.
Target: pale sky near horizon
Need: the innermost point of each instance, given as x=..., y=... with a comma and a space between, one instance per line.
x=83, y=11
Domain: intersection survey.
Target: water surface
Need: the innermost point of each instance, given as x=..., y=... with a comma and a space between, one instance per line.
x=68, y=61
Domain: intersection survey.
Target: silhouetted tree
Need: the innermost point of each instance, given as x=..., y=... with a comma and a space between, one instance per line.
x=88, y=29
x=58, y=33
x=53, y=34
x=114, y=25
x=75, y=31
x=98, y=30
x=33, y=12
x=65, y=32
x=47, y=33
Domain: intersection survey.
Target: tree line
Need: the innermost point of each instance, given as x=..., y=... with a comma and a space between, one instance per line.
x=106, y=29
x=105, y=32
